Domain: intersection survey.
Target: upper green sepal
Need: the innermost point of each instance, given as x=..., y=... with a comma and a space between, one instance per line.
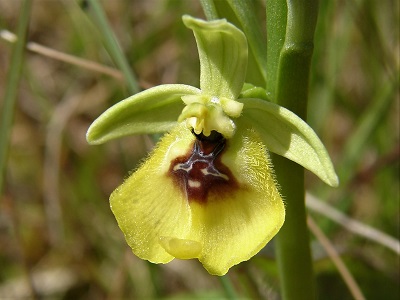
x=286, y=134
x=223, y=56
x=151, y=111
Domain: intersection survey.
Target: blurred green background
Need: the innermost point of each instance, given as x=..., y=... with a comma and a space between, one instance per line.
x=58, y=237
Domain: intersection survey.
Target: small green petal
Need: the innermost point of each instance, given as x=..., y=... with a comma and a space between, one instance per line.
x=151, y=111
x=204, y=114
x=231, y=107
x=286, y=134
x=223, y=56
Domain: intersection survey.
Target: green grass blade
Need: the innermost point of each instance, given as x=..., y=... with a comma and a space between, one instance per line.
x=246, y=13
x=368, y=124
x=113, y=47
x=11, y=91
x=228, y=287
x=209, y=9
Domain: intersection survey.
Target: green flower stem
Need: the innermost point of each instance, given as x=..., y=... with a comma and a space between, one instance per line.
x=7, y=112
x=292, y=80
x=292, y=241
x=113, y=47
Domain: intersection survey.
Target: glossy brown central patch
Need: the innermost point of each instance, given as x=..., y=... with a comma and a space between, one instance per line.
x=201, y=171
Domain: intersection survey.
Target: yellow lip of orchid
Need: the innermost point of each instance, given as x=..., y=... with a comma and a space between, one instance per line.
x=207, y=191
x=212, y=199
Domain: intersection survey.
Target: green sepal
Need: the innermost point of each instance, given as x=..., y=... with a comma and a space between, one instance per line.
x=286, y=134
x=151, y=111
x=223, y=55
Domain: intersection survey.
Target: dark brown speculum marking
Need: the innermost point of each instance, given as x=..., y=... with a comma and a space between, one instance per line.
x=201, y=172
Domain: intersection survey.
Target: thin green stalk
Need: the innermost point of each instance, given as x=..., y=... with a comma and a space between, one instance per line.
x=292, y=242
x=292, y=80
x=228, y=287
x=209, y=9
x=246, y=13
x=113, y=48
x=7, y=113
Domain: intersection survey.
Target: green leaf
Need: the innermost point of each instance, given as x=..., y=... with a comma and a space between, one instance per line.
x=286, y=134
x=223, y=56
x=152, y=111
x=11, y=86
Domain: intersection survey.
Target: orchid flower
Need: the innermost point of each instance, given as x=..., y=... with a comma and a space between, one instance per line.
x=208, y=190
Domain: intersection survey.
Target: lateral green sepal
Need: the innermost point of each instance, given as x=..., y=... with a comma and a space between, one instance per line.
x=151, y=111
x=286, y=134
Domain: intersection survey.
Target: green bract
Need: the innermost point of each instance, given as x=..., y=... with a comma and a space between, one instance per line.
x=223, y=57
x=218, y=105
